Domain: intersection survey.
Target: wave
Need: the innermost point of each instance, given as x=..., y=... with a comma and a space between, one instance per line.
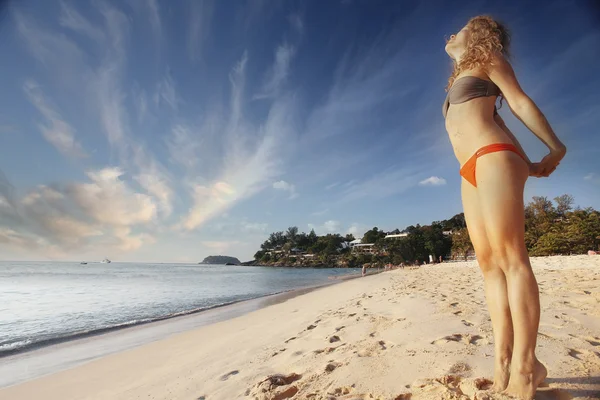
x=21, y=345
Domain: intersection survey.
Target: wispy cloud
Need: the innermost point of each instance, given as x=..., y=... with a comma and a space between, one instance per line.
x=387, y=183
x=433, y=181
x=184, y=147
x=72, y=19
x=107, y=206
x=201, y=14
x=166, y=93
x=286, y=187
x=320, y=212
x=278, y=74
x=57, y=132
x=252, y=154
x=296, y=23
x=592, y=177
x=154, y=13
x=54, y=51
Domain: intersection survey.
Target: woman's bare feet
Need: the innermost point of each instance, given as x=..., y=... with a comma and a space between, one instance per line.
x=501, y=376
x=523, y=385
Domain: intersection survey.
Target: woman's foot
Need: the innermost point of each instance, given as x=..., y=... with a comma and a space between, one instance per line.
x=523, y=385
x=501, y=376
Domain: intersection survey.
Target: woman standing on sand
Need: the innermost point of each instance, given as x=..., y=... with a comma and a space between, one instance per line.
x=495, y=169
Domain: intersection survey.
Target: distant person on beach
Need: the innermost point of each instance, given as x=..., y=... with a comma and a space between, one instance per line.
x=364, y=270
x=495, y=169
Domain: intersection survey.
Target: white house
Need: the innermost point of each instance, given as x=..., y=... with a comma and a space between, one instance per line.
x=397, y=235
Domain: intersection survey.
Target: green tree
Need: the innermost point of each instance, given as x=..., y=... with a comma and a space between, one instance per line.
x=292, y=235
x=564, y=204
x=372, y=235
x=461, y=243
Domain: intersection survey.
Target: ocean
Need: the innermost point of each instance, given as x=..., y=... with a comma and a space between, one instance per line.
x=43, y=303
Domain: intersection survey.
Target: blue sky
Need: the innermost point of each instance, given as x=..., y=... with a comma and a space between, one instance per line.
x=148, y=130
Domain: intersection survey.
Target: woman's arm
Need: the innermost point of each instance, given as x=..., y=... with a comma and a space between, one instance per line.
x=502, y=74
x=502, y=125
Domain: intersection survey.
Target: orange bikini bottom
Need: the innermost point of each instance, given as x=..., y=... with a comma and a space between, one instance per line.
x=468, y=169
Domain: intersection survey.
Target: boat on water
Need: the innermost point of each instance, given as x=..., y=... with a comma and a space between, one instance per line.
x=106, y=261
x=83, y=263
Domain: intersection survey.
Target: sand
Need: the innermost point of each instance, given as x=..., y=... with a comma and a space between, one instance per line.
x=406, y=334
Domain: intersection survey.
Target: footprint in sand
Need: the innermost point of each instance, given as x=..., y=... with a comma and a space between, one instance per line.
x=328, y=349
x=373, y=348
x=594, y=341
x=277, y=352
x=276, y=387
x=459, y=337
x=334, y=338
x=332, y=365
x=466, y=323
x=229, y=374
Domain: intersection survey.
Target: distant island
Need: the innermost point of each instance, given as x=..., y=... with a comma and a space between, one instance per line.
x=222, y=260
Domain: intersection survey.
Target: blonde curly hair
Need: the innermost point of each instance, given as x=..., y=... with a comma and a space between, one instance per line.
x=486, y=37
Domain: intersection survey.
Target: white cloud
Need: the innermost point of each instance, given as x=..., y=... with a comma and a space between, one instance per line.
x=72, y=19
x=99, y=213
x=254, y=227
x=50, y=49
x=108, y=200
x=392, y=181
x=357, y=230
x=154, y=12
x=140, y=100
x=321, y=212
x=227, y=154
x=433, y=181
x=165, y=93
x=330, y=226
x=286, y=187
x=184, y=146
x=296, y=23
x=59, y=133
x=278, y=73
x=592, y=177
x=200, y=13
x=252, y=155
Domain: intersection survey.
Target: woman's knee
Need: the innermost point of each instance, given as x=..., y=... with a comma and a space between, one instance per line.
x=485, y=260
x=511, y=257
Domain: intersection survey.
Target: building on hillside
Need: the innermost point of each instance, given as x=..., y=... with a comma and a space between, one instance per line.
x=396, y=235
x=363, y=248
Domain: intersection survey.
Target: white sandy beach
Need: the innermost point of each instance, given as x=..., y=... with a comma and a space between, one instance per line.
x=421, y=334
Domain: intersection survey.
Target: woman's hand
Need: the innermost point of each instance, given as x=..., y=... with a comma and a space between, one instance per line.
x=548, y=164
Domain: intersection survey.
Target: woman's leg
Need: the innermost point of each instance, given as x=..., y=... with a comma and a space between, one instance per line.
x=501, y=178
x=495, y=286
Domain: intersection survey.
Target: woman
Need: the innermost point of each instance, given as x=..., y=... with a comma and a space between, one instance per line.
x=495, y=168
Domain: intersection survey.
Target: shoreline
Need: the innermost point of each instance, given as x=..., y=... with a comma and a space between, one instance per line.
x=419, y=334
x=57, y=354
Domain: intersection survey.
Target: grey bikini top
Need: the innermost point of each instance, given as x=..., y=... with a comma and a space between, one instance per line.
x=468, y=88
